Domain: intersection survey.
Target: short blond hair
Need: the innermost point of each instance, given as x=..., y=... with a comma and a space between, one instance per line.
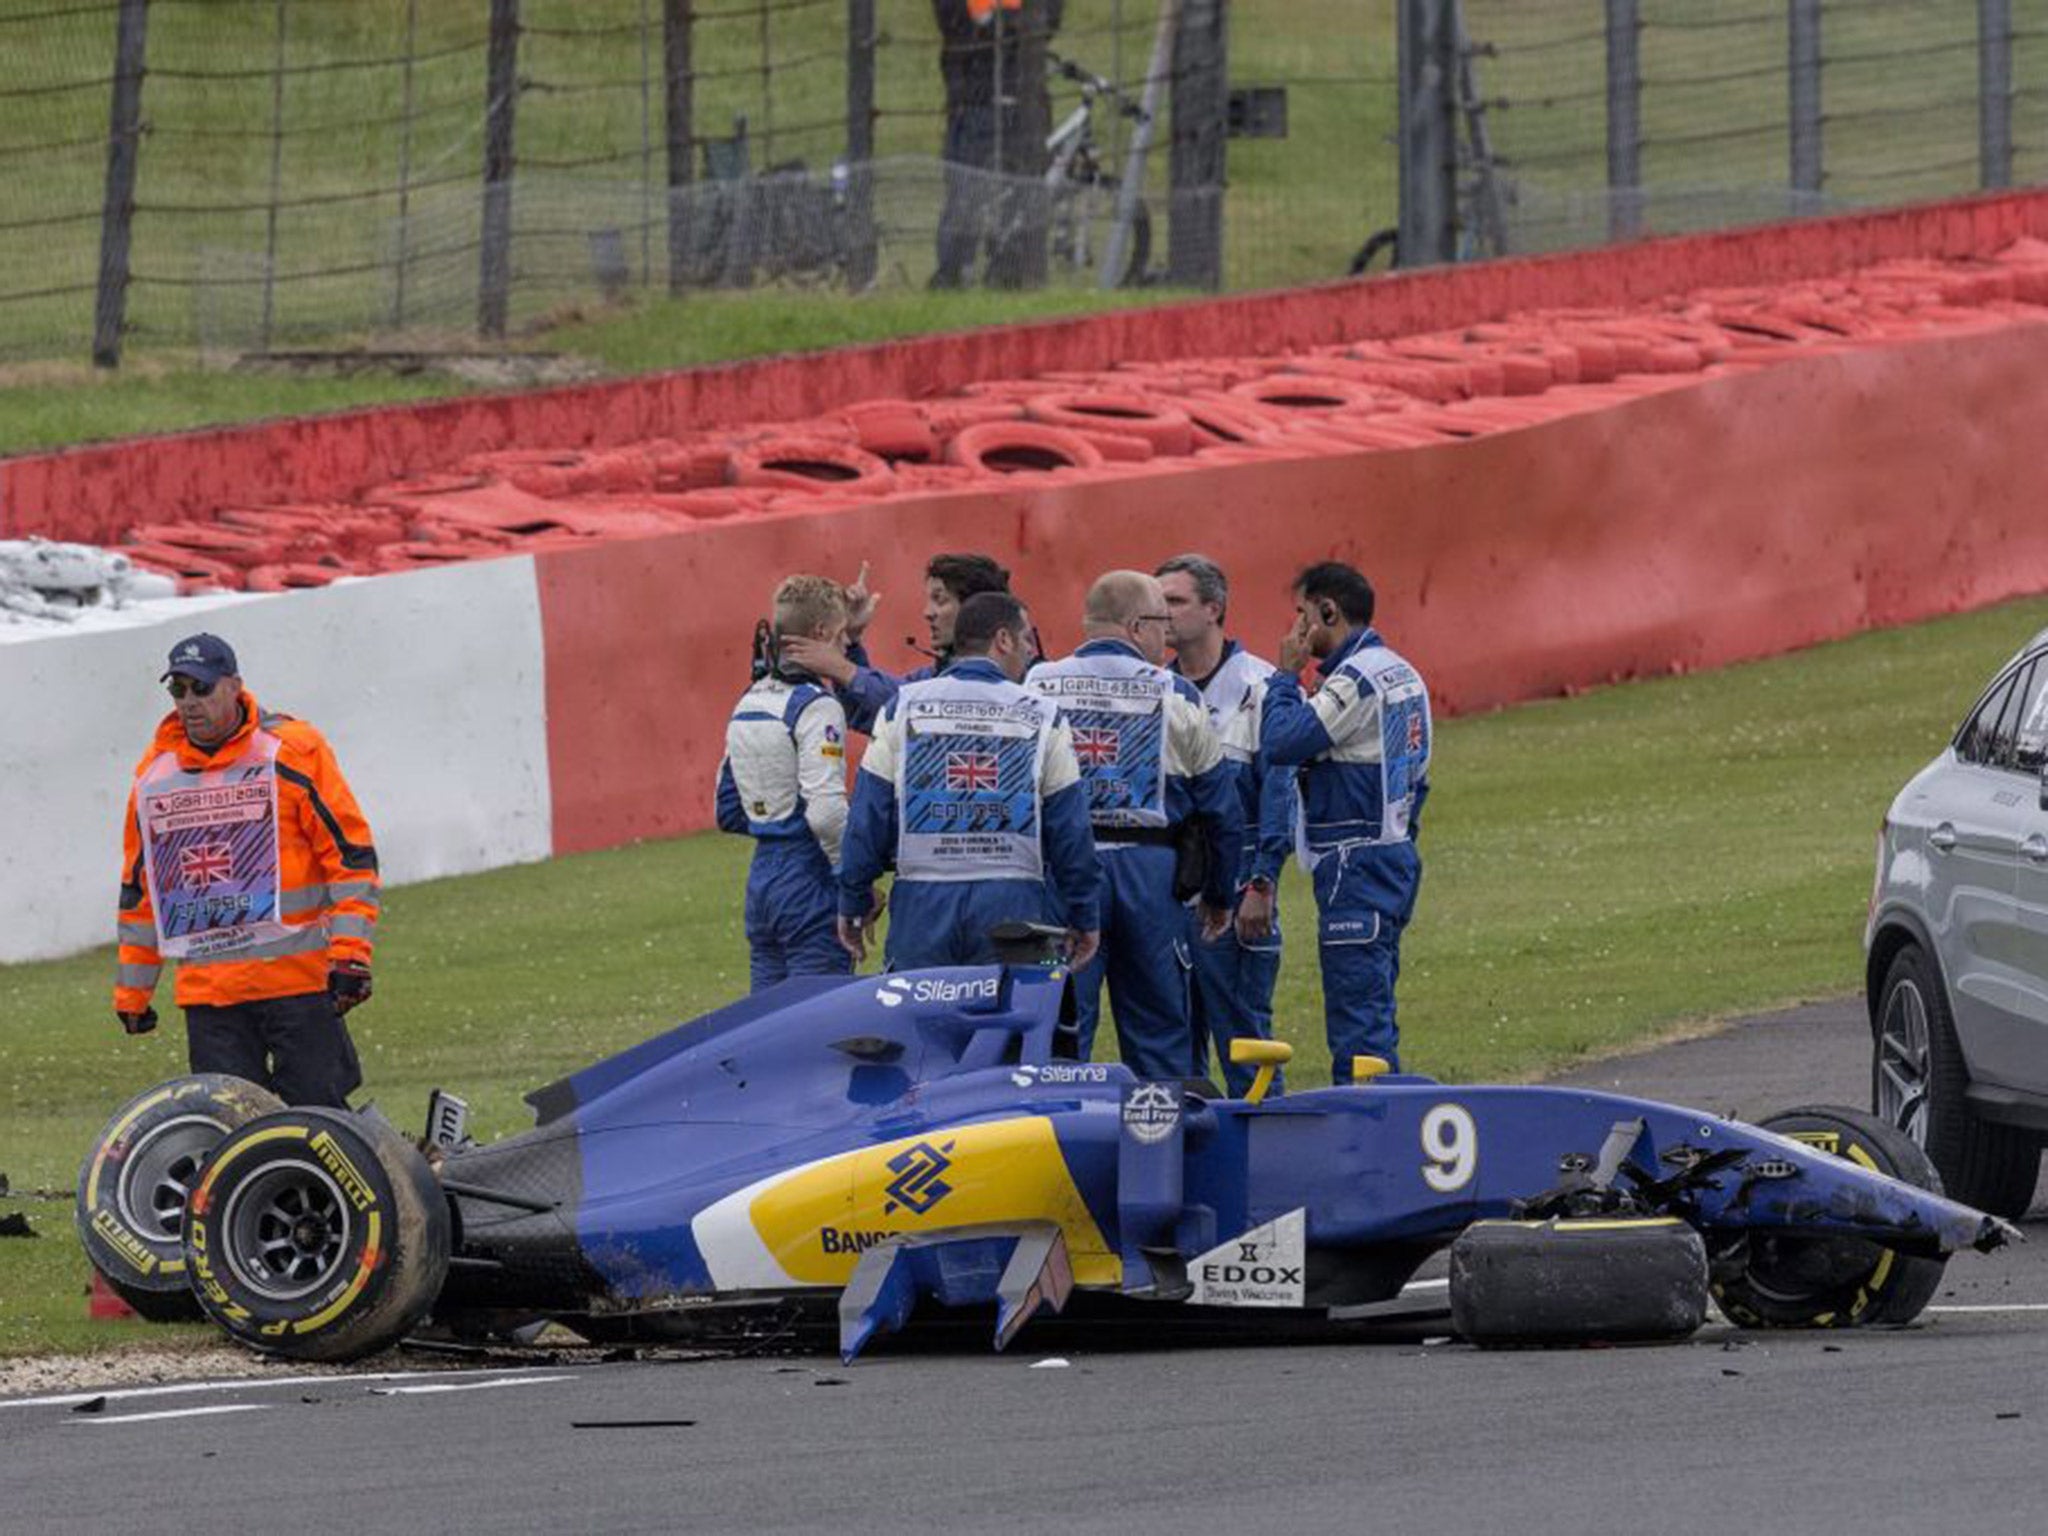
x=805, y=605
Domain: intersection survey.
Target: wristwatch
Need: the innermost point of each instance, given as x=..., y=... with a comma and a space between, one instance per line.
x=1263, y=884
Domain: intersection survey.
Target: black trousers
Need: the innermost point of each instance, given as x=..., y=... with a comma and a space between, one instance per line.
x=297, y=1047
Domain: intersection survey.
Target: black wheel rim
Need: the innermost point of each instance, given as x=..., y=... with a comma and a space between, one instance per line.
x=287, y=1230
x=1902, y=1062
x=158, y=1174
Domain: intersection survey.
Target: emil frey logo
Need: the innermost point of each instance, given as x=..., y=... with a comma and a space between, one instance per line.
x=918, y=1186
x=1151, y=1111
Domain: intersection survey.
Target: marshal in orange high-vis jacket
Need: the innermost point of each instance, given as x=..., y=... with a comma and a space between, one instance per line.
x=247, y=861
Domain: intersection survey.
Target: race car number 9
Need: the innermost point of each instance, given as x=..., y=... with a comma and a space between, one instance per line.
x=1451, y=1143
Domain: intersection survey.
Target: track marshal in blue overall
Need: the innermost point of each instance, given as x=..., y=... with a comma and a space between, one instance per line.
x=783, y=783
x=1163, y=802
x=1361, y=746
x=1231, y=995
x=971, y=791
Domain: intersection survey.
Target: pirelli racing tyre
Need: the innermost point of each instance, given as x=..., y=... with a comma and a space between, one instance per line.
x=1612, y=1280
x=318, y=1235
x=1832, y=1282
x=134, y=1184
x=1918, y=1078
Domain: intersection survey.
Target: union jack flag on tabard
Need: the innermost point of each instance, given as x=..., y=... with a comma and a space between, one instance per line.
x=970, y=771
x=206, y=864
x=1095, y=747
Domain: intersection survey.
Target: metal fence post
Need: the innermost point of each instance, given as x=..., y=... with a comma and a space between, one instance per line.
x=276, y=183
x=1624, y=119
x=412, y=40
x=1804, y=79
x=501, y=96
x=1428, y=135
x=679, y=86
x=117, y=214
x=1994, y=92
x=1201, y=113
x=860, y=142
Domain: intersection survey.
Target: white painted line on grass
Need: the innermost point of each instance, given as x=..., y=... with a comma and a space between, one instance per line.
x=467, y=1386
x=177, y=1413
x=253, y=1383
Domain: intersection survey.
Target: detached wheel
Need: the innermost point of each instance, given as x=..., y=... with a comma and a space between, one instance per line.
x=1918, y=1077
x=1773, y=1281
x=317, y=1235
x=1610, y=1280
x=134, y=1184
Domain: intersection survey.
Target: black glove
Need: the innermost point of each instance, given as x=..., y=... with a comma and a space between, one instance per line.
x=137, y=1023
x=348, y=983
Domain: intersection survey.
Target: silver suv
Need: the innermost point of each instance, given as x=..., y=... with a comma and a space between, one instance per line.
x=1957, y=947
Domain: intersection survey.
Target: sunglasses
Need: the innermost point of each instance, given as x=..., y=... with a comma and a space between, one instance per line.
x=180, y=686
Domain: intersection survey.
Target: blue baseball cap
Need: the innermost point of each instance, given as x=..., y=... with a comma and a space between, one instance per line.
x=204, y=658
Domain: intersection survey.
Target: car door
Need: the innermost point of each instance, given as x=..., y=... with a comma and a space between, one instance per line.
x=2026, y=763
x=1976, y=816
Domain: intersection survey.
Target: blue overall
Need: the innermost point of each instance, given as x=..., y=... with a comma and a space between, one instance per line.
x=790, y=906
x=1362, y=748
x=969, y=792
x=1150, y=761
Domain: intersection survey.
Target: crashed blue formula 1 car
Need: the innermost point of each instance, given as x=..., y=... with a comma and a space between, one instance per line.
x=875, y=1147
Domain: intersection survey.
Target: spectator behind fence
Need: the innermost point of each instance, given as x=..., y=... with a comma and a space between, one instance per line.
x=783, y=783
x=987, y=48
x=246, y=860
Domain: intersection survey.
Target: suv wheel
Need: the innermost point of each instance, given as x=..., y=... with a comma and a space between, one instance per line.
x=1917, y=1083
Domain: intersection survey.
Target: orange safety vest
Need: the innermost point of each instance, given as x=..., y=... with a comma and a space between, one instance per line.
x=250, y=865
x=980, y=11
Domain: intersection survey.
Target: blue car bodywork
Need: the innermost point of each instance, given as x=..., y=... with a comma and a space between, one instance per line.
x=884, y=1141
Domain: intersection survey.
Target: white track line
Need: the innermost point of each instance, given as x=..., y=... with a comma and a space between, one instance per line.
x=177, y=1413
x=252, y=1383
x=2009, y=1306
x=468, y=1386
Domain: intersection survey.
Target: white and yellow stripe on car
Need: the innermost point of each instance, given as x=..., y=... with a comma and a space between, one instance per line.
x=810, y=1225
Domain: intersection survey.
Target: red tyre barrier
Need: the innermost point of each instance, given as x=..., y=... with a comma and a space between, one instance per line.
x=1424, y=381
x=1021, y=447
x=1311, y=394
x=950, y=417
x=1221, y=422
x=231, y=546
x=193, y=572
x=414, y=555
x=1481, y=375
x=892, y=430
x=289, y=578
x=810, y=464
x=1126, y=413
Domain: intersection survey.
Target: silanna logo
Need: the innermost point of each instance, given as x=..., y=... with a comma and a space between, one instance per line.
x=918, y=1185
x=898, y=990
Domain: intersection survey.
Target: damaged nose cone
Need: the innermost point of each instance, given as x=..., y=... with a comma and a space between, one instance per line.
x=1996, y=1232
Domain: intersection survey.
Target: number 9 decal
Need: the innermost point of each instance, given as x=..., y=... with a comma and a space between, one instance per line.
x=1451, y=1143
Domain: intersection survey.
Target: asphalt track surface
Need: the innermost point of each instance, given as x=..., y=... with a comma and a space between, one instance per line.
x=1940, y=1427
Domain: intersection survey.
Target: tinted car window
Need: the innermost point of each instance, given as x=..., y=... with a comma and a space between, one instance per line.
x=1977, y=741
x=2030, y=738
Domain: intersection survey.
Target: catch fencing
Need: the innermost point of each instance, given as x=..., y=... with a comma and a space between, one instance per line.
x=259, y=176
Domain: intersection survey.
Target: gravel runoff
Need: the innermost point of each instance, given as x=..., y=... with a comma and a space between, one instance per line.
x=42, y=1375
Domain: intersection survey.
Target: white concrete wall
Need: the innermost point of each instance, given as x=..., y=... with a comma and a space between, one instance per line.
x=430, y=686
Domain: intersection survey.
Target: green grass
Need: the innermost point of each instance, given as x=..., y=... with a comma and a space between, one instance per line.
x=1599, y=871
x=58, y=406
